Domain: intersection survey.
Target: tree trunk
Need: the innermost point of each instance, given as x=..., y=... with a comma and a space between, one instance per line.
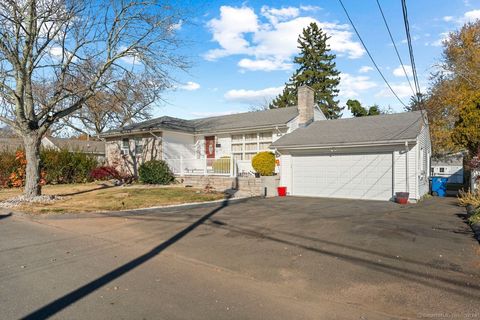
x=32, y=174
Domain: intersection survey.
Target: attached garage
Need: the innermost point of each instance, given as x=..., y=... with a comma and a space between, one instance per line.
x=359, y=158
x=357, y=176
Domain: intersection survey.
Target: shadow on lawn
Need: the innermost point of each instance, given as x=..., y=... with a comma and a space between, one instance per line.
x=63, y=302
x=101, y=187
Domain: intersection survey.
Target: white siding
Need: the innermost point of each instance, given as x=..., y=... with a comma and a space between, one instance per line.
x=423, y=170
x=286, y=172
x=400, y=175
x=318, y=115
x=176, y=145
x=225, y=142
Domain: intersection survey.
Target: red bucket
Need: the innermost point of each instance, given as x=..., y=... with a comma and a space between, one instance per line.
x=282, y=191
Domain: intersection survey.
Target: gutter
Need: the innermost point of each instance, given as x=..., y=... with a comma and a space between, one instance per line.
x=342, y=145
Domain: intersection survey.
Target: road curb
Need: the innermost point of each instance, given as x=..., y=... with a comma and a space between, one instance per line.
x=476, y=230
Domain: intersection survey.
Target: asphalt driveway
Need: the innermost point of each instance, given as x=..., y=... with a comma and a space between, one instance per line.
x=281, y=258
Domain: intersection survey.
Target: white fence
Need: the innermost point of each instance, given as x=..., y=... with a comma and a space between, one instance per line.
x=205, y=166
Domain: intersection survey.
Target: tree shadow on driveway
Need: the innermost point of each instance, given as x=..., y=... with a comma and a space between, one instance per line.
x=61, y=303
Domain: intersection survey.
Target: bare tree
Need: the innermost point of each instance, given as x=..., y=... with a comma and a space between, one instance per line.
x=55, y=55
x=129, y=100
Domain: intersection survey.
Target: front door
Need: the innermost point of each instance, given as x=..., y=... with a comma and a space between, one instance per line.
x=210, y=147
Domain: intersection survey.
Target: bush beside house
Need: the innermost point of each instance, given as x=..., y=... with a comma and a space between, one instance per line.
x=264, y=163
x=155, y=172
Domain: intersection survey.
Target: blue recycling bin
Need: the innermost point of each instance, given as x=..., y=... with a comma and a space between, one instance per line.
x=439, y=186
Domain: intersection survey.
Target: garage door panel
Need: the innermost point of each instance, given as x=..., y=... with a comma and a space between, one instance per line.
x=357, y=176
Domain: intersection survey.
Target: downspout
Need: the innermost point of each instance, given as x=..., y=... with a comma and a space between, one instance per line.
x=407, y=189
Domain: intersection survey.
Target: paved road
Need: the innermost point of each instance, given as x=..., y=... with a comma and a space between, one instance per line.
x=282, y=258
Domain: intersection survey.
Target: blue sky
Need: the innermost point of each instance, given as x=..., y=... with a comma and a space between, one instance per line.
x=242, y=52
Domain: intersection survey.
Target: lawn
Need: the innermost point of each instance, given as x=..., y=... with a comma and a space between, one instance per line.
x=95, y=197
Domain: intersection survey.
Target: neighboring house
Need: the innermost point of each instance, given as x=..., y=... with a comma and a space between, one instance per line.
x=92, y=147
x=95, y=148
x=449, y=166
x=192, y=146
x=10, y=144
x=361, y=158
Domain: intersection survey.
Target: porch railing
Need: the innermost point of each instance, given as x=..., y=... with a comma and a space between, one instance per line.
x=205, y=166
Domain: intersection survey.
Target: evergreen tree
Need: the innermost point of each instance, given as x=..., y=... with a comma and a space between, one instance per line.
x=358, y=110
x=317, y=69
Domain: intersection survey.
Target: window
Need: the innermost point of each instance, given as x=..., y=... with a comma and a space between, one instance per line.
x=245, y=146
x=125, y=146
x=442, y=170
x=138, y=146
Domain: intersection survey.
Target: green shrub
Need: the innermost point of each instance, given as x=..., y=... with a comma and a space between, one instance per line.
x=221, y=165
x=8, y=164
x=64, y=166
x=155, y=172
x=264, y=163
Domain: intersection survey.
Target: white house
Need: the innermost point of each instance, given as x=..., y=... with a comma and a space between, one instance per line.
x=361, y=158
x=194, y=146
x=449, y=166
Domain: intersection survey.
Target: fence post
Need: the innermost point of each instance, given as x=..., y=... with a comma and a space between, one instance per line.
x=181, y=166
x=205, y=166
x=232, y=166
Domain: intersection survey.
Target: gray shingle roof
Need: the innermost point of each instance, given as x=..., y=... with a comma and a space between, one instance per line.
x=94, y=147
x=254, y=119
x=372, y=129
x=455, y=159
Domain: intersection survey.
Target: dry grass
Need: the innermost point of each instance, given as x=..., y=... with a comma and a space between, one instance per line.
x=95, y=197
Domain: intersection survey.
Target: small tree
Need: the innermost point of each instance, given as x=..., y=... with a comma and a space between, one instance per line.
x=56, y=55
x=317, y=69
x=358, y=110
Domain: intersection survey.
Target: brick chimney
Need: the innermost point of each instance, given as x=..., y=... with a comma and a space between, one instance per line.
x=305, y=104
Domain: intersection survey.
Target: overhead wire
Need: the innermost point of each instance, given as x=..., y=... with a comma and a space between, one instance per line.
x=395, y=46
x=369, y=54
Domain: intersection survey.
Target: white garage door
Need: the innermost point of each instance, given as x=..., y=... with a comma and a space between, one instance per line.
x=356, y=176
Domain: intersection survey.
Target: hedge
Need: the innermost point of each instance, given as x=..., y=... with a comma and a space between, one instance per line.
x=57, y=166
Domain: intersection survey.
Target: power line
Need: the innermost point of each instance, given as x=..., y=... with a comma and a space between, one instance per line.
x=419, y=100
x=410, y=48
x=369, y=54
x=395, y=46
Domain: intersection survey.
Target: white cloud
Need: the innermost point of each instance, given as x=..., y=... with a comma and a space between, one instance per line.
x=270, y=40
x=471, y=16
x=229, y=31
x=398, y=71
x=351, y=86
x=310, y=8
x=252, y=96
x=365, y=69
x=264, y=65
x=448, y=18
x=401, y=89
x=439, y=42
x=190, y=86
x=282, y=14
